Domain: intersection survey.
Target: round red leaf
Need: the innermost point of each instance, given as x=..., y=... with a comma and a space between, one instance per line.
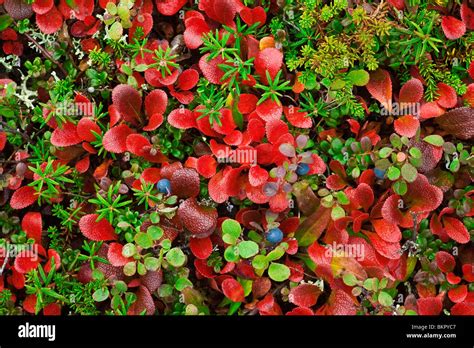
x=233, y=290
x=201, y=247
x=407, y=125
x=96, y=230
x=115, y=139
x=445, y=261
x=304, y=295
x=32, y=224
x=65, y=135
x=453, y=28
x=114, y=255
x=23, y=197
x=50, y=22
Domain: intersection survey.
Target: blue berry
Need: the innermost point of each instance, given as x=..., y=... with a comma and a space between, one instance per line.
x=302, y=169
x=275, y=235
x=164, y=186
x=379, y=173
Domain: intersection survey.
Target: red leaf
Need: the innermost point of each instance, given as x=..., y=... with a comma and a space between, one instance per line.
x=411, y=92
x=300, y=311
x=144, y=302
x=364, y=196
x=429, y=306
x=201, y=247
x=271, y=60
x=32, y=224
x=26, y=261
x=3, y=140
x=257, y=175
x=211, y=70
x=458, y=122
x=467, y=15
x=269, y=110
x=52, y=309
x=154, y=122
x=275, y=129
x=96, y=231
x=233, y=290
x=23, y=197
x=380, y=87
x=224, y=11
x=340, y=303
x=261, y=286
x=114, y=255
x=297, y=118
x=463, y=308
x=169, y=7
x=195, y=29
x=50, y=22
x=407, y=125
x=206, y=166
x=458, y=294
x=115, y=139
x=247, y=103
x=29, y=304
x=185, y=183
x=128, y=102
x=144, y=21
x=386, y=249
x=152, y=280
x=447, y=96
x=188, y=79
x=453, y=28
x=445, y=261
x=304, y=295
x=268, y=306
x=42, y=6
x=182, y=118
x=156, y=102
x=66, y=135
x=430, y=110
x=52, y=255
x=216, y=188
x=84, y=129
x=387, y=231
x=456, y=230
x=254, y=15
x=199, y=220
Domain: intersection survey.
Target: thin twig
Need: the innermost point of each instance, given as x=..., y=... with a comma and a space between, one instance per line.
x=12, y=130
x=45, y=53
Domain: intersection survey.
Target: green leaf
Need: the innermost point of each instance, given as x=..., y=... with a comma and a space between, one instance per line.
x=275, y=254
x=231, y=253
x=385, y=299
x=115, y=32
x=434, y=139
x=393, y=173
x=415, y=152
x=358, y=77
x=409, y=173
x=231, y=231
x=101, y=295
x=141, y=67
x=400, y=187
x=176, y=257
x=337, y=212
x=143, y=240
x=248, y=249
x=182, y=283
x=349, y=279
x=155, y=232
x=312, y=227
x=260, y=262
x=385, y=152
x=5, y=21
x=152, y=263
x=278, y=272
x=337, y=84
x=130, y=268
